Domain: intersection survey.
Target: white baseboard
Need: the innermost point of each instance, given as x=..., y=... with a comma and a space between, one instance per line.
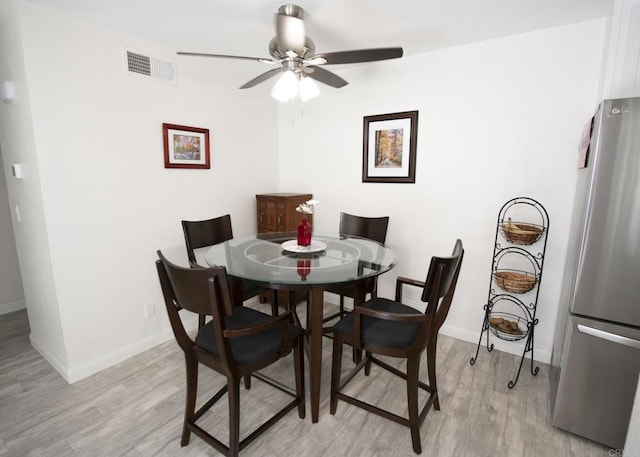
x=54, y=361
x=73, y=374
x=542, y=355
x=11, y=306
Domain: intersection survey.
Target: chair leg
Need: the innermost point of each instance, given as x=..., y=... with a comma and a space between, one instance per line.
x=298, y=360
x=201, y=320
x=234, y=416
x=274, y=302
x=367, y=363
x=413, y=370
x=336, y=367
x=431, y=368
x=356, y=355
x=190, y=404
x=247, y=381
x=341, y=305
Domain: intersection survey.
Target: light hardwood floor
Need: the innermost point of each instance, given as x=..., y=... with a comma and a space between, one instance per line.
x=135, y=409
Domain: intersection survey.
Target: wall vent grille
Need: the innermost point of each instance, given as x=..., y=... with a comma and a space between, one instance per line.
x=137, y=63
x=140, y=64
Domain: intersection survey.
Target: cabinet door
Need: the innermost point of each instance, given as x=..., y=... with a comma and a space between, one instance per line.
x=266, y=216
x=262, y=216
x=271, y=216
x=292, y=218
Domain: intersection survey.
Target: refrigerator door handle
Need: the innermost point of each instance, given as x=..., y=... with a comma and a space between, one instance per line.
x=609, y=336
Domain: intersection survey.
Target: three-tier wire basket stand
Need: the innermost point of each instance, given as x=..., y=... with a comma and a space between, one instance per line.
x=516, y=272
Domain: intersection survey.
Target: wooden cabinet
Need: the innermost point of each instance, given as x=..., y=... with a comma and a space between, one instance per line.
x=277, y=212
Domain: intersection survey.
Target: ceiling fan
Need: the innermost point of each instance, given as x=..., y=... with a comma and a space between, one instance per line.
x=294, y=56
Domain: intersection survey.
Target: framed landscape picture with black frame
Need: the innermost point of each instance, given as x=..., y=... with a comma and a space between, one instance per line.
x=389, y=147
x=185, y=147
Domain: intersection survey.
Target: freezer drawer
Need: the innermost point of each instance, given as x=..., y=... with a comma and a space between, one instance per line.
x=598, y=379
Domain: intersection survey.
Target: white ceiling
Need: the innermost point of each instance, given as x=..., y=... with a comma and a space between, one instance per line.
x=244, y=27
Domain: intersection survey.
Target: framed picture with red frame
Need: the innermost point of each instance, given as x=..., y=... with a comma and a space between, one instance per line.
x=185, y=147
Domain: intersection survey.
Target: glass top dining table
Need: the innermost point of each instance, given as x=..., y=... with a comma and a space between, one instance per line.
x=276, y=259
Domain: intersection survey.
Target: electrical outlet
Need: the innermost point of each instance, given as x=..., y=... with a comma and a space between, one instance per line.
x=149, y=310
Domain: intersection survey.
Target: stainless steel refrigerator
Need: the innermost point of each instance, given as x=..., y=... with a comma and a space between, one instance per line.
x=596, y=353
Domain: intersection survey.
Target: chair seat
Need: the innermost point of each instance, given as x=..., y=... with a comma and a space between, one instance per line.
x=379, y=332
x=250, y=348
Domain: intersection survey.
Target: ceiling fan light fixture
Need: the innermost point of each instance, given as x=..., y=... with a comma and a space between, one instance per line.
x=308, y=88
x=286, y=87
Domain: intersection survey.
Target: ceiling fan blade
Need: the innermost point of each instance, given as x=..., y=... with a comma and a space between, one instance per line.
x=290, y=32
x=361, y=55
x=325, y=77
x=202, y=54
x=260, y=78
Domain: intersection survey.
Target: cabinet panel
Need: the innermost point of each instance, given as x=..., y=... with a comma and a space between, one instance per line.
x=266, y=216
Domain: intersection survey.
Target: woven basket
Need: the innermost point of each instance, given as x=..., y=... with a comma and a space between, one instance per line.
x=515, y=282
x=508, y=326
x=520, y=233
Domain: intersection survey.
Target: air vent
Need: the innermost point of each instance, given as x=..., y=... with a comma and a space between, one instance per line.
x=140, y=64
x=137, y=63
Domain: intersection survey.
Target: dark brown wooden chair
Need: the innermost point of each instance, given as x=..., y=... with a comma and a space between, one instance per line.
x=236, y=343
x=373, y=228
x=200, y=234
x=390, y=328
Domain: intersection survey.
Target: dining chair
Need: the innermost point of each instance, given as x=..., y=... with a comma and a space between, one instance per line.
x=373, y=228
x=200, y=234
x=236, y=342
x=390, y=328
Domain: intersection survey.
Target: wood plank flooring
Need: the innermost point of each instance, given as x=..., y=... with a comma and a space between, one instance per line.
x=135, y=409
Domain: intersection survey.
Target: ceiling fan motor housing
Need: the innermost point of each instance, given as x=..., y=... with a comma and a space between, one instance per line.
x=278, y=53
x=291, y=10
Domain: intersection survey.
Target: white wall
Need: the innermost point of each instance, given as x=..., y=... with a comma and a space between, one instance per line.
x=11, y=293
x=108, y=201
x=497, y=119
x=17, y=137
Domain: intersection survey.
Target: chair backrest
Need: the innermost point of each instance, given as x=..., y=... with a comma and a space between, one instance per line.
x=199, y=234
x=373, y=228
x=440, y=285
x=189, y=288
